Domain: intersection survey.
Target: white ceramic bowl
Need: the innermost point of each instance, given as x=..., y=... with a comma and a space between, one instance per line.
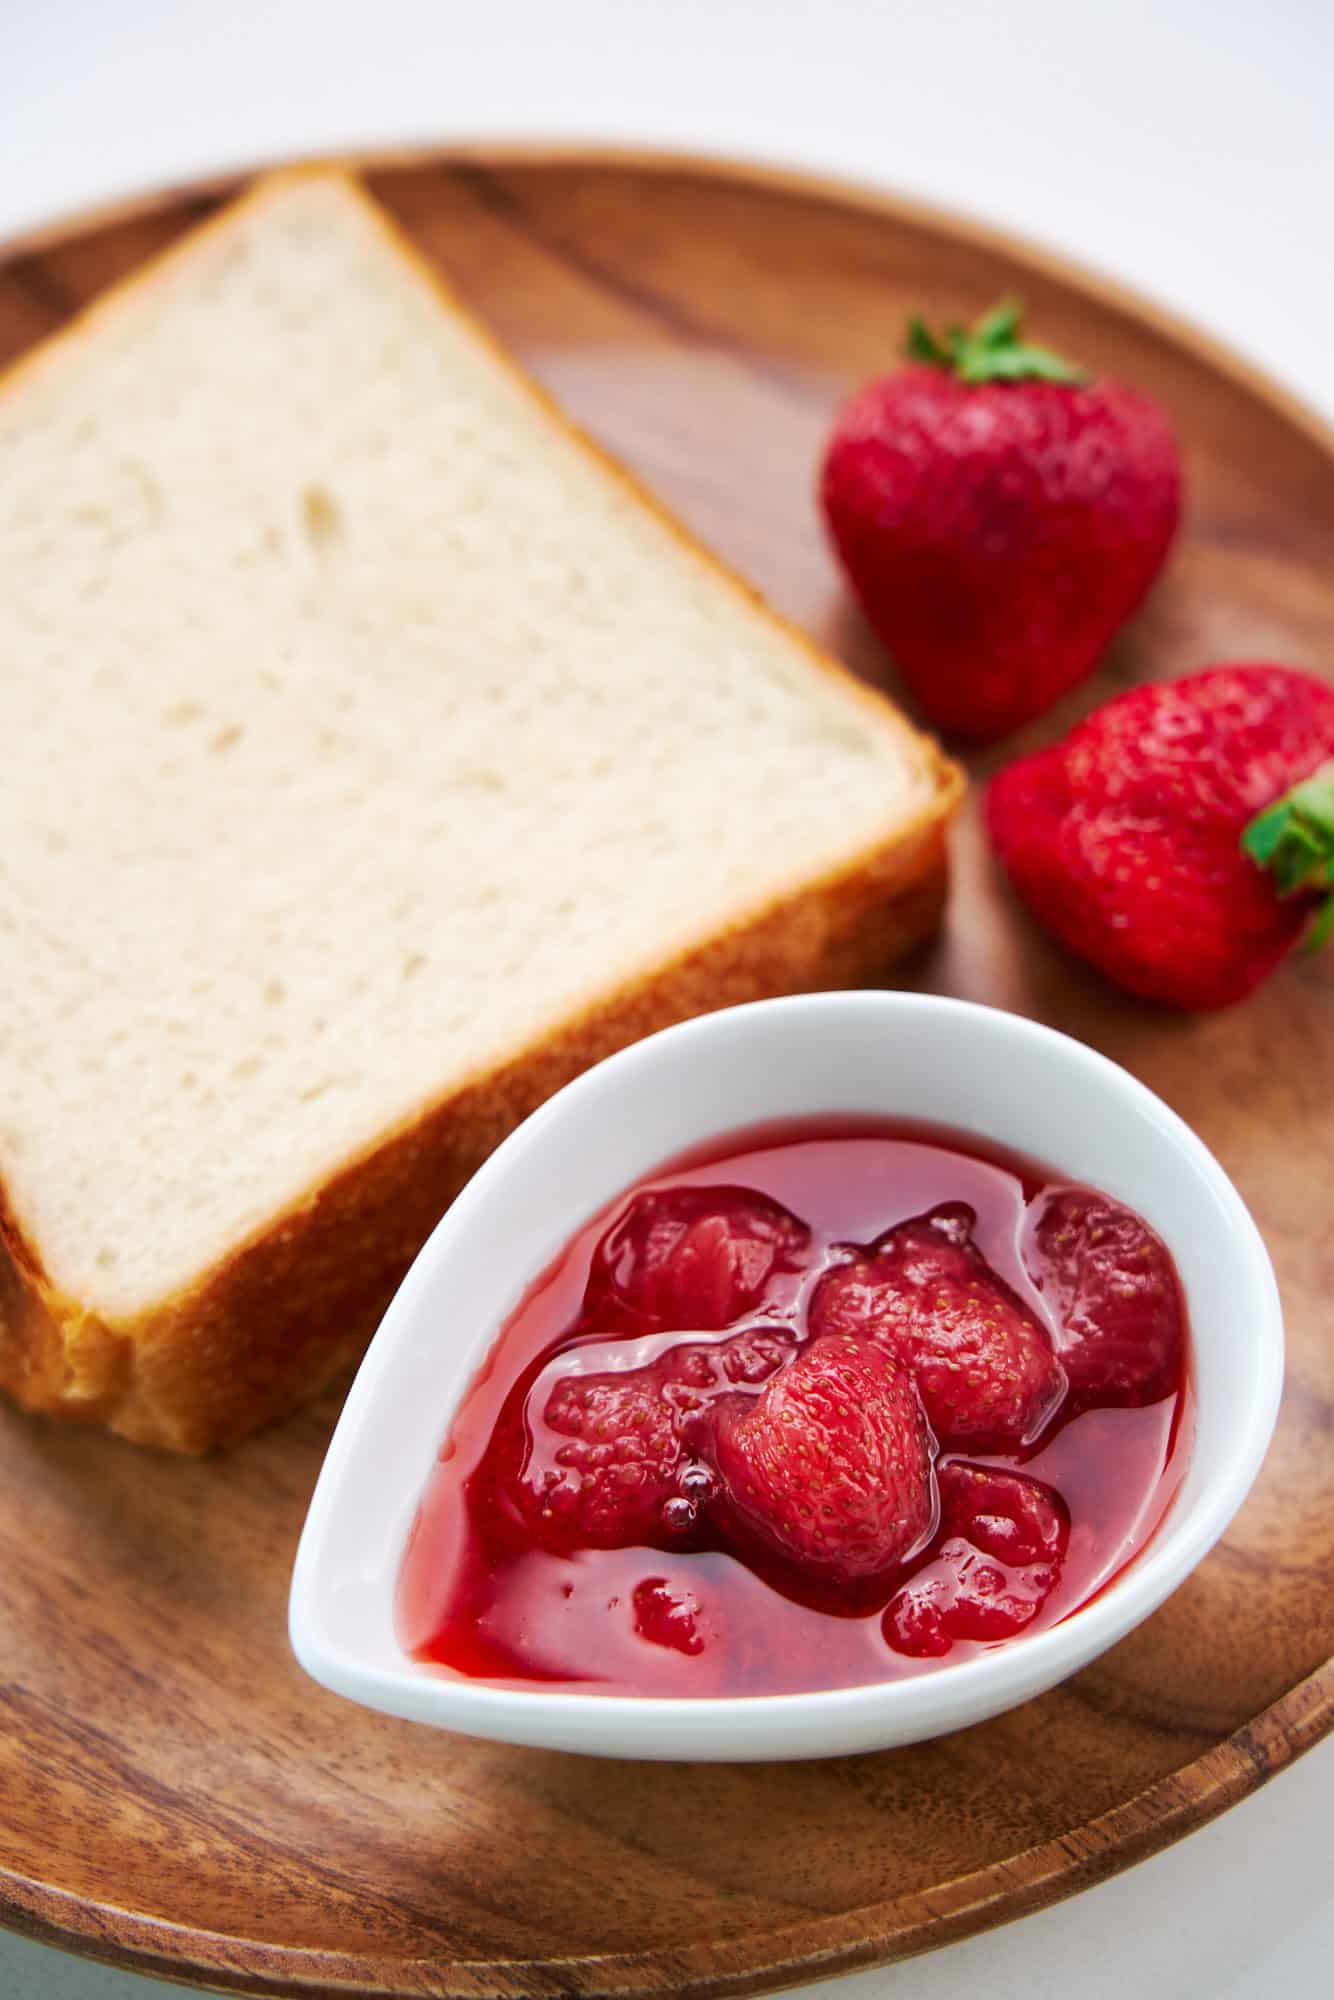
x=885, y=1054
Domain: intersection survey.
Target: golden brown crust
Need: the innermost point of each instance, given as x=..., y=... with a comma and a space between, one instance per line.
x=291, y=1307
x=288, y=1310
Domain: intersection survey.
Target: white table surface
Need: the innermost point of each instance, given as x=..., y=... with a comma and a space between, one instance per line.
x=1185, y=146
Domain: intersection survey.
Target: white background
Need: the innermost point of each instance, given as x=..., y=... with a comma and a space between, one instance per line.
x=1184, y=145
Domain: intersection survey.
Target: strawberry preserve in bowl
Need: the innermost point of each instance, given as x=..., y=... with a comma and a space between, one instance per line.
x=818, y=1375
x=832, y=1404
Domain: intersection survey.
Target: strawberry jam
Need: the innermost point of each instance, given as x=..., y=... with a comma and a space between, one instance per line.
x=831, y=1404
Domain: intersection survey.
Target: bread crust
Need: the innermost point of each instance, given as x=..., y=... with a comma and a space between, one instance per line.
x=293, y=1305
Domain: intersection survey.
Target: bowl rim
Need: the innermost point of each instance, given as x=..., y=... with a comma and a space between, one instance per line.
x=951, y=1693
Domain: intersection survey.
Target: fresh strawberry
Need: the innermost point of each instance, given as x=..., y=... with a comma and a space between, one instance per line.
x=612, y=1459
x=829, y=1467
x=999, y=516
x=1132, y=838
x=1004, y=1539
x=689, y=1257
x=983, y=1365
x=1114, y=1289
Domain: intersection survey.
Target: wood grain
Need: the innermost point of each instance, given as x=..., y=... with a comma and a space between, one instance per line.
x=174, y=1796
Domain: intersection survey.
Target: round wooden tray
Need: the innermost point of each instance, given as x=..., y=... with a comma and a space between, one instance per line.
x=176, y=1796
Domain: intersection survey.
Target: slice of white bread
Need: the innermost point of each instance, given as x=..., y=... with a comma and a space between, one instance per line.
x=377, y=757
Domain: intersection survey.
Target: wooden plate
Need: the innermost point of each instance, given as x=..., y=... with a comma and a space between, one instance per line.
x=176, y=1796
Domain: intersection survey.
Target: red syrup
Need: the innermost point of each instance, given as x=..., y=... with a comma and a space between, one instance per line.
x=608, y=1512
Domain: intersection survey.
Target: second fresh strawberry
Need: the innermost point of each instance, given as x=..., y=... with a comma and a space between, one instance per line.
x=1181, y=838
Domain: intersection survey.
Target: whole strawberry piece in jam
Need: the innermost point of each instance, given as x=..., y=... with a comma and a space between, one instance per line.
x=612, y=1459
x=1004, y=1538
x=830, y=1466
x=690, y=1257
x=1005, y=1514
x=983, y=1365
x=1136, y=838
x=1114, y=1289
x=999, y=515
